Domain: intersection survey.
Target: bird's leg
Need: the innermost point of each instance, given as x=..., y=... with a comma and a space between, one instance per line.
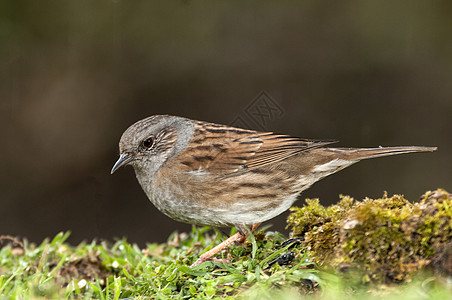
x=208, y=255
x=240, y=236
x=245, y=232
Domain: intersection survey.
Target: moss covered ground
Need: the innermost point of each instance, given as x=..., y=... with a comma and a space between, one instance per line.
x=385, y=248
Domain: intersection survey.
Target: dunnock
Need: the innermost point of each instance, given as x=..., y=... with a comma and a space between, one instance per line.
x=208, y=174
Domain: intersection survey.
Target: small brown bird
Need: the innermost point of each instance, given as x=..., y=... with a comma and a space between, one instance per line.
x=209, y=174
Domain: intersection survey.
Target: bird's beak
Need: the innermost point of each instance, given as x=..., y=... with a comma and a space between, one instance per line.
x=123, y=159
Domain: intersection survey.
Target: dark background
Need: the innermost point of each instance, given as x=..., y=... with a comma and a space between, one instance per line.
x=75, y=74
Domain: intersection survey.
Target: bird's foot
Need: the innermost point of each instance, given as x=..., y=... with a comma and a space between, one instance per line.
x=209, y=254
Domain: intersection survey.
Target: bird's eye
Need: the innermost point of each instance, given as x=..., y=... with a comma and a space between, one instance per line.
x=148, y=143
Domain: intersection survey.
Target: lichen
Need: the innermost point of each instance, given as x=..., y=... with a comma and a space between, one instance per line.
x=388, y=238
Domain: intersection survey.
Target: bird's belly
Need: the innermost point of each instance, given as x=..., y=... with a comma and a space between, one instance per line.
x=200, y=199
x=243, y=211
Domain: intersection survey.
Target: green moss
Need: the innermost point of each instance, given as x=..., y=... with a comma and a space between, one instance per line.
x=388, y=238
x=102, y=270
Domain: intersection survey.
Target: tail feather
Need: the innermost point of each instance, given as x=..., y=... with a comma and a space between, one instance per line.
x=364, y=153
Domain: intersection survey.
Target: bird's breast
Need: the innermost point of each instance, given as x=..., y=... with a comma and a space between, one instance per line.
x=198, y=197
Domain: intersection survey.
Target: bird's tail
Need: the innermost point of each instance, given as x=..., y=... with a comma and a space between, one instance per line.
x=364, y=153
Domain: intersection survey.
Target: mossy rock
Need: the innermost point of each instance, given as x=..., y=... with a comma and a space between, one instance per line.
x=387, y=239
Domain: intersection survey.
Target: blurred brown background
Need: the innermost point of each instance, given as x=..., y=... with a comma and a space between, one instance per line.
x=75, y=74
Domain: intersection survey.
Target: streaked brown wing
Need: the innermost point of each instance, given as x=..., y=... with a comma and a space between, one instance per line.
x=276, y=147
x=222, y=149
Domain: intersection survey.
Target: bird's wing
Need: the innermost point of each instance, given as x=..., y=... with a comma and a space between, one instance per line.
x=220, y=149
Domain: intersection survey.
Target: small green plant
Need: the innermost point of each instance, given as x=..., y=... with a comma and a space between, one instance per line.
x=57, y=270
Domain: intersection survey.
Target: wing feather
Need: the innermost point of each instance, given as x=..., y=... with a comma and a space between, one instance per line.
x=221, y=149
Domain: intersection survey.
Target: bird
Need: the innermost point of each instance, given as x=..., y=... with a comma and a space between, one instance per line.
x=216, y=175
